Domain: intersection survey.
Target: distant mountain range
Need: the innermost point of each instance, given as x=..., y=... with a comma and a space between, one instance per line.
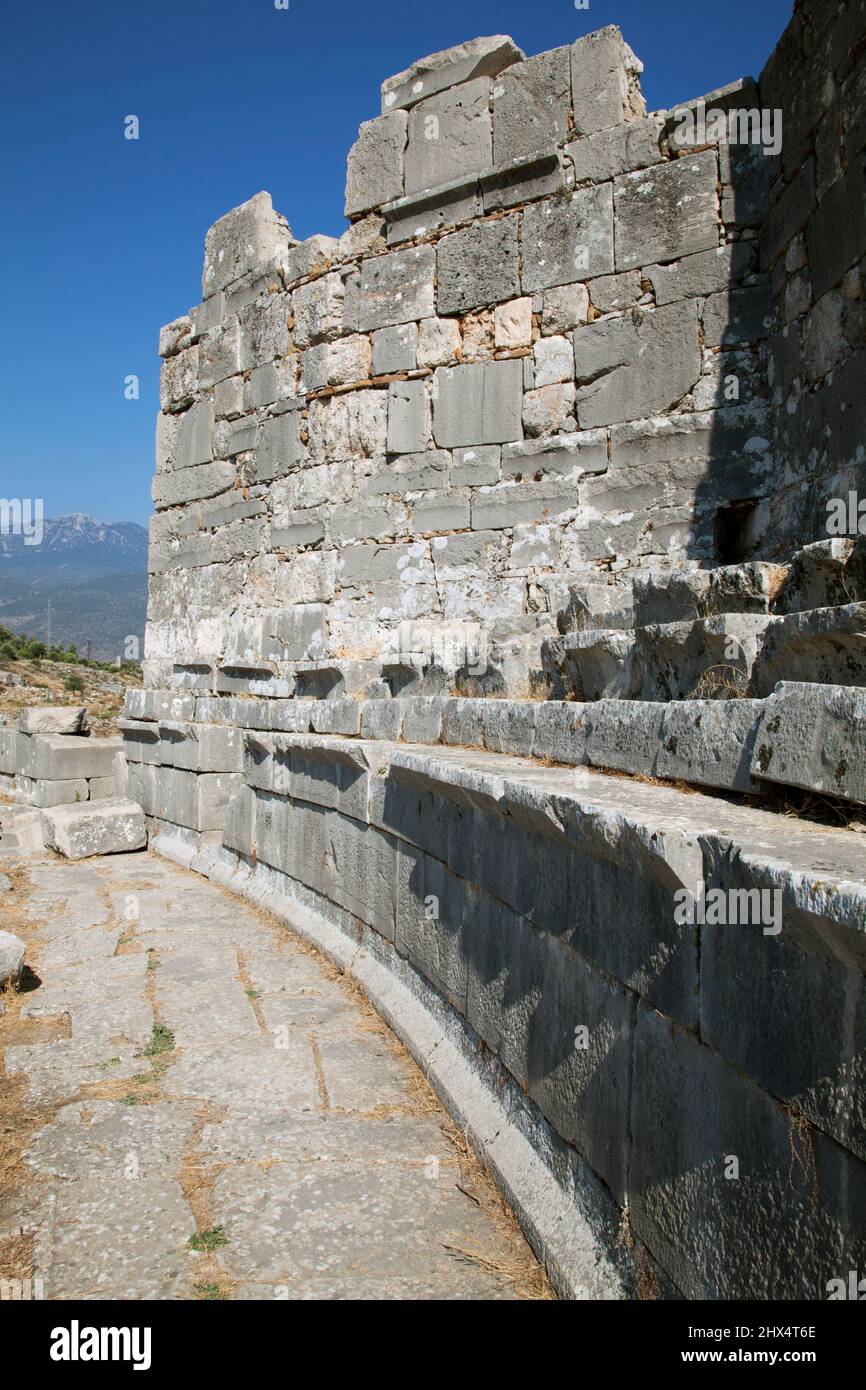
x=85, y=583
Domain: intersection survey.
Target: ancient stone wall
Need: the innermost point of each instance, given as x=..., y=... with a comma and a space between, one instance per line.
x=519, y=367
x=813, y=246
x=528, y=428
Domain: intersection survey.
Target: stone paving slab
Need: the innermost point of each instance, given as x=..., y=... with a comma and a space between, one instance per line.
x=210, y=1111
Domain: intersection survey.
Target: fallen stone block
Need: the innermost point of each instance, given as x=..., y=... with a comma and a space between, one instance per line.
x=53, y=719
x=105, y=827
x=813, y=736
x=11, y=956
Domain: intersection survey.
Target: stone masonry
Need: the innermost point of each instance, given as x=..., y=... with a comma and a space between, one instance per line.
x=498, y=639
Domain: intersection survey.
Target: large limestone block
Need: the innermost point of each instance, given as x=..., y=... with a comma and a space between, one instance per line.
x=8, y=751
x=568, y=239
x=374, y=173
x=483, y=57
x=822, y=644
x=251, y=239
x=531, y=103
x=478, y=265
x=103, y=827
x=604, y=81
x=667, y=211
x=60, y=757
x=397, y=288
x=53, y=719
x=478, y=403
x=709, y=742
x=46, y=793
x=193, y=443
x=814, y=736
x=692, y=1112
x=630, y=367
x=450, y=137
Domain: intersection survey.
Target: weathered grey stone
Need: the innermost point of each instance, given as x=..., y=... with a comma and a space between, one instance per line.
x=476, y=467
x=478, y=265
x=521, y=503
x=508, y=726
x=553, y=360
x=278, y=446
x=200, y=747
x=613, y=293
x=666, y=211
x=693, y=1110
x=627, y=368
x=568, y=239
x=395, y=349
x=604, y=81
x=396, y=288
x=191, y=484
x=335, y=364
x=194, y=440
x=441, y=514
x=53, y=719
x=250, y=240
x=319, y=309
x=478, y=403
x=524, y=180
x=408, y=417
x=438, y=342
x=419, y=214
x=512, y=323
x=565, y=306
x=450, y=136
x=104, y=788
x=675, y=596
x=812, y=736
x=531, y=104
x=618, y=150
x=103, y=827
x=570, y=454
x=59, y=757
x=549, y=410
x=624, y=734
x=11, y=957
x=375, y=167
x=173, y=336
x=51, y=793
x=483, y=57
x=705, y=273
x=709, y=742
x=827, y=645
x=561, y=728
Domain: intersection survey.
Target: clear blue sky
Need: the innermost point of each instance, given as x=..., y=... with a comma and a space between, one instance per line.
x=102, y=238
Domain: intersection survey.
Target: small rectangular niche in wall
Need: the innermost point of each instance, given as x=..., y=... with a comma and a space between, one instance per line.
x=735, y=531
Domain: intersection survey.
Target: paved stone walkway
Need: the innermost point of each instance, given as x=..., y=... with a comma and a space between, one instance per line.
x=196, y=1105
